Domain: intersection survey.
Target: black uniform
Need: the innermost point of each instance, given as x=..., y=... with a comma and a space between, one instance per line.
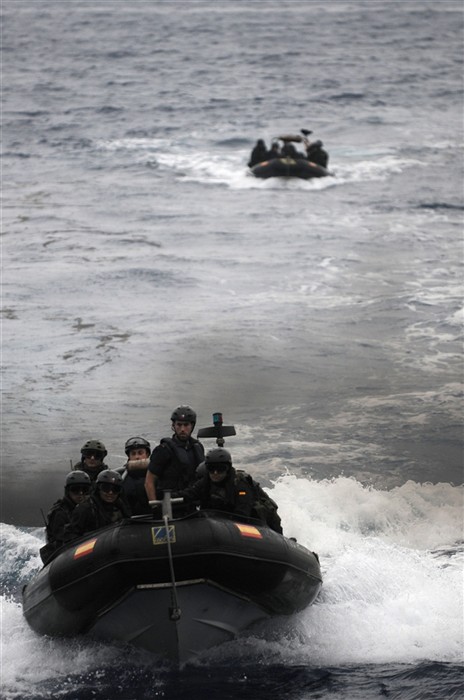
x=317, y=154
x=94, y=514
x=58, y=517
x=133, y=489
x=91, y=473
x=174, y=463
x=258, y=154
x=274, y=152
x=238, y=493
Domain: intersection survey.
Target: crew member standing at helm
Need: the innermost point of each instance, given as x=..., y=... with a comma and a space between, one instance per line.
x=93, y=452
x=174, y=461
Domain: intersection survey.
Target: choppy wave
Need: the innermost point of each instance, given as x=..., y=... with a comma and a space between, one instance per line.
x=387, y=557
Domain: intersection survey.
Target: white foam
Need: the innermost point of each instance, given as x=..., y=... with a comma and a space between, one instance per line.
x=331, y=515
x=385, y=603
x=382, y=598
x=456, y=318
x=29, y=660
x=20, y=551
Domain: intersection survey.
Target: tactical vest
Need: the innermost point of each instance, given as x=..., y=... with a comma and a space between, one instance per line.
x=264, y=508
x=62, y=504
x=181, y=472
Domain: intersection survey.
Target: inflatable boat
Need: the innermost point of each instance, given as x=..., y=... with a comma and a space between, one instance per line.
x=173, y=583
x=289, y=167
x=173, y=586
x=284, y=160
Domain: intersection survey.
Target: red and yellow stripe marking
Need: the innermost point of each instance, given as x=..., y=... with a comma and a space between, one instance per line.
x=249, y=531
x=86, y=548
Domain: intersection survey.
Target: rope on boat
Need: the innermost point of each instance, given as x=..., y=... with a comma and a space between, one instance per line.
x=166, y=503
x=174, y=610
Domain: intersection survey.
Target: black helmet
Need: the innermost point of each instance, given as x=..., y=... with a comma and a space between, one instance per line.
x=201, y=470
x=108, y=476
x=134, y=442
x=184, y=413
x=77, y=477
x=94, y=446
x=218, y=455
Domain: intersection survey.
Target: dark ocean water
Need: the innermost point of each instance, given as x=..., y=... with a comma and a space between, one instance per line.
x=143, y=267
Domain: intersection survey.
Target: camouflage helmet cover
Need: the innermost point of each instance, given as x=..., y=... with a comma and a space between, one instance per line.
x=95, y=446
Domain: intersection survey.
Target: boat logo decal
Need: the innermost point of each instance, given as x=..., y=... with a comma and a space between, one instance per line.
x=85, y=548
x=249, y=531
x=158, y=534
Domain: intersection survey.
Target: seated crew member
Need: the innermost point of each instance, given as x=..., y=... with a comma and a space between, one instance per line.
x=93, y=452
x=258, y=154
x=289, y=151
x=274, y=151
x=224, y=488
x=138, y=452
x=174, y=461
x=104, y=506
x=76, y=491
x=316, y=154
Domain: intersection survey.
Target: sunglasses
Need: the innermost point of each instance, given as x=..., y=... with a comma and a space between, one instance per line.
x=220, y=468
x=76, y=488
x=110, y=488
x=91, y=453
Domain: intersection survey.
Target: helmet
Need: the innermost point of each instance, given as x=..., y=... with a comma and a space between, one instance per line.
x=134, y=442
x=184, y=413
x=77, y=477
x=108, y=476
x=218, y=455
x=201, y=470
x=96, y=446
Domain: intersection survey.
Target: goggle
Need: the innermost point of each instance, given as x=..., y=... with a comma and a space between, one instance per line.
x=79, y=488
x=219, y=467
x=110, y=488
x=136, y=442
x=92, y=453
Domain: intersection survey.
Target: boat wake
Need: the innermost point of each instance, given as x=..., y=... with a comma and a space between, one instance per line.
x=222, y=164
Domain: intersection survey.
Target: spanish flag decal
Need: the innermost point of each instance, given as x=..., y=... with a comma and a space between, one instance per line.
x=249, y=531
x=85, y=548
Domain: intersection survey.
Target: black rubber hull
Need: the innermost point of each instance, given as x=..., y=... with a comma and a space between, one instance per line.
x=116, y=584
x=289, y=167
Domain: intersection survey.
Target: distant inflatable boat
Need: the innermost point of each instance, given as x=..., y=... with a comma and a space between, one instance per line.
x=289, y=167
